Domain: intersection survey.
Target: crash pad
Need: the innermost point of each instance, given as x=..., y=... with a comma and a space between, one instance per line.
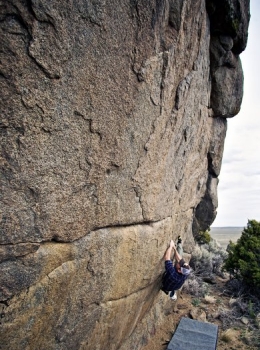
x=194, y=335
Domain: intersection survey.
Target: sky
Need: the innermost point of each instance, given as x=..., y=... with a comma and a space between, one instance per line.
x=239, y=180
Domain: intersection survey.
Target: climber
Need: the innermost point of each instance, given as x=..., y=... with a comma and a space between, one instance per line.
x=174, y=275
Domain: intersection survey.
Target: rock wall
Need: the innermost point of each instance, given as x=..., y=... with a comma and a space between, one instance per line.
x=113, y=120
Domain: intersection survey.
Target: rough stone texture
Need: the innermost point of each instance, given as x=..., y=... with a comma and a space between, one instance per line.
x=229, y=21
x=113, y=120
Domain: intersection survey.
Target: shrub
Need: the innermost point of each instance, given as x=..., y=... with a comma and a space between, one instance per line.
x=235, y=288
x=229, y=335
x=208, y=259
x=194, y=285
x=195, y=302
x=243, y=259
x=204, y=237
x=201, y=261
x=229, y=317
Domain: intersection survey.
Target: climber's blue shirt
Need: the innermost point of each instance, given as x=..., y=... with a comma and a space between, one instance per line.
x=172, y=279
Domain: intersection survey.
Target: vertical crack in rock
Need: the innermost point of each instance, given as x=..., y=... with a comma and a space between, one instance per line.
x=165, y=58
x=139, y=196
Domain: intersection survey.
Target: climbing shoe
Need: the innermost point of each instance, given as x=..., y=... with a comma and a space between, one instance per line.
x=173, y=296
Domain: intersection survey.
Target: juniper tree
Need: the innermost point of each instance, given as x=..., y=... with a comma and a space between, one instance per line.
x=243, y=259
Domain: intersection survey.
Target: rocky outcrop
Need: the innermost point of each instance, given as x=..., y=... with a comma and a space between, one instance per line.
x=113, y=121
x=228, y=25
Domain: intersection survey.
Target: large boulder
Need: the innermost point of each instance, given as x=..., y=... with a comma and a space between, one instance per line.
x=229, y=21
x=113, y=122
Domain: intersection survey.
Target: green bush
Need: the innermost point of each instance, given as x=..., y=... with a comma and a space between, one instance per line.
x=195, y=302
x=204, y=237
x=243, y=259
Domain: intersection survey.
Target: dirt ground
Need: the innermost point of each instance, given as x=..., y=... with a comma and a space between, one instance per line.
x=232, y=338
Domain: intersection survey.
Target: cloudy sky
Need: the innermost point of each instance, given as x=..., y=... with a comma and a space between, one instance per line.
x=239, y=180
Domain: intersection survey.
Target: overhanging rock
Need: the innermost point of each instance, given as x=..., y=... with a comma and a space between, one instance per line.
x=113, y=121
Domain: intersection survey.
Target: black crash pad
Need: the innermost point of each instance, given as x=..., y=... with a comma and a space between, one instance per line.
x=194, y=335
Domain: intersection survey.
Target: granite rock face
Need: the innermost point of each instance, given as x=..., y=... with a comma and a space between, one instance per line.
x=113, y=120
x=228, y=25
